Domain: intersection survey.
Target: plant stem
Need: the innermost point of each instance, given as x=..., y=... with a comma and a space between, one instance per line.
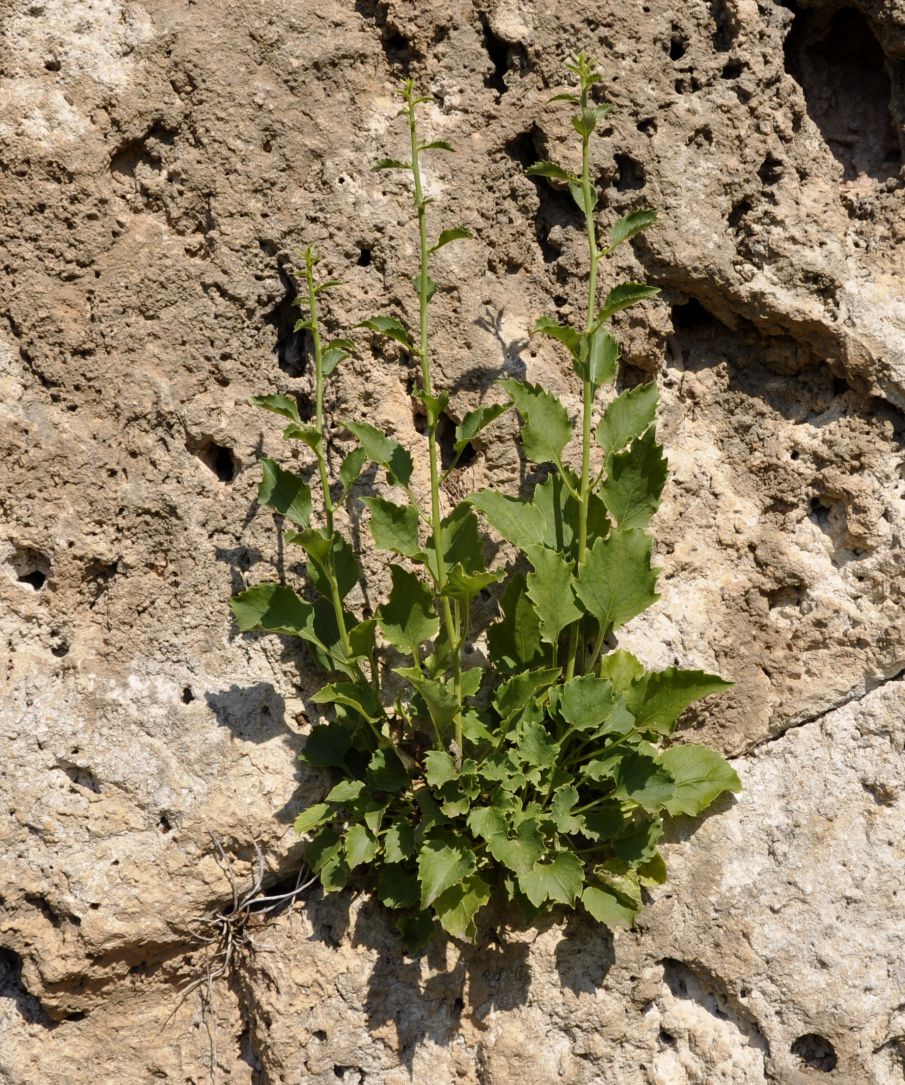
x=436, y=520
x=588, y=389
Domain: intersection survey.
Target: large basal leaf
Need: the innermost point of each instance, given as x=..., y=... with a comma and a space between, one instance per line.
x=641, y=778
x=475, y=421
x=383, y=450
x=386, y=772
x=700, y=774
x=546, y=429
x=550, y=588
x=394, y=527
x=312, y=817
x=515, y=640
x=327, y=745
x=439, y=697
x=442, y=863
x=457, y=907
x=559, y=881
x=359, y=846
x=399, y=844
x=635, y=480
x=627, y=417
x=520, y=853
x=586, y=702
x=559, y=512
x=606, y=907
x=616, y=581
x=621, y=668
x=657, y=698
x=397, y=886
x=284, y=492
x=272, y=608
x=519, y=522
x=408, y=618
x=359, y=696
x=486, y=821
x=513, y=694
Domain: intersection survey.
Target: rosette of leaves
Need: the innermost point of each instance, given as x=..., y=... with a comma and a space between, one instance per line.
x=541, y=779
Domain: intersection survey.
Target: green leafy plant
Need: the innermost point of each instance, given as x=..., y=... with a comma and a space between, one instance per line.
x=539, y=779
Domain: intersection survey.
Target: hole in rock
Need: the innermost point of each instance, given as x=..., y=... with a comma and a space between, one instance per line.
x=164, y=824
x=77, y=1015
x=733, y=69
x=218, y=458
x=290, y=347
x=771, y=170
x=738, y=212
x=503, y=57
x=523, y=148
x=59, y=647
x=691, y=317
x=364, y=257
x=647, y=126
x=31, y=568
x=678, y=45
x=820, y=513
x=816, y=1052
x=631, y=175
x=11, y=987
x=722, y=36
x=187, y=695
x=836, y=59
x=666, y=1038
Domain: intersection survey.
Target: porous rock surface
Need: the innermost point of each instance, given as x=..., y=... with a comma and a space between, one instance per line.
x=162, y=164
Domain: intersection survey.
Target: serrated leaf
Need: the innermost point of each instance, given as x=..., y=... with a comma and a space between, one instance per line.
x=351, y=467
x=346, y=791
x=383, y=450
x=624, y=295
x=658, y=698
x=399, y=843
x=635, y=481
x=629, y=225
x=563, y=802
x=621, y=668
x=356, y=695
x=546, y=429
x=442, y=863
x=361, y=638
x=559, y=511
x=513, y=694
x=391, y=164
x=486, y=821
x=641, y=778
x=397, y=886
x=359, y=846
x=284, y=492
x=324, y=856
x=439, y=768
x=327, y=745
x=551, y=170
x=308, y=435
x=653, y=871
x=386, y=772
x=285, y=406
x=408, y=619
x=535, y=745
x=456, y=233
x=272, y=608
x=475, y=421
x=332, y=559
x=519, y=522
x=627, y=417
x=312, y=817
x=616, y=582
x=462, y=543
x=599, y=357
x=334, y=352
x=550, y=588
x=521, y=852
x=431, y=287
x=586, y=702
x=514, y=641
x=437, y=145
x=577, y=192
x=434, y=406
x=390, y=326
x=585, y=121
x=394, y=527
x=465, y=586
x=416, y=931
x=457, y=907
x=569, y=337
x=559, y=881
x=701, y=774
x=439, y=697
x=606, y=907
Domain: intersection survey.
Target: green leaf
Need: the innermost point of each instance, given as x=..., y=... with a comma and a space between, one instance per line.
x=361, y=638
x=513, y=694
x=442, y=863
x=431, y=286
x=346, y=791
x=272, y=608
x=416, y=930
x=334, y=352
x=601, y=357
x=351, y=467
x=519, y=522
x=397, y=886
x=546, y=429
x=550, y=588
x=551, y=170
x=394, y=527
x=327, y=745
x=586, y=702
x=627, y=417
x=521, y=852
x=462, y=543
x=439, y=697
x=284, y=492
x=465, y=586
x=391, y=164
x=577, y=191
x=399, y=843
x=657, y=698
x=585, y=121
x=621, y=668
x=312, y=817
x=635, y=481
x=624, y=295
x=653, y=871
x=324, y=856
x=408, y=618
x=308, y=435
x=616, y=581
x=457, y=233
x=514, y=641
x=390, y=326
x=560, y=513
x=457, y=907
x=386, y=772
x=569, y=337
x=629, y=225
x=564, y=800
x=359, y=696
x=359, y=845
x=437, y=145
x=381, y=449
x=700, y=774
x=332, y=559
x=573, y=98
x=559, y=881
x=486, y=821
x=536, y=746
x=606, y=907
x=278, y=404
x=439, y=768
x=475, y=421
x=642, y=779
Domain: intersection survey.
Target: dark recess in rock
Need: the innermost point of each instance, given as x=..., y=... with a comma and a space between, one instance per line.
x=815, y=1052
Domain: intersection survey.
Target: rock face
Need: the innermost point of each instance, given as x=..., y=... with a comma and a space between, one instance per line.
x=162, y=165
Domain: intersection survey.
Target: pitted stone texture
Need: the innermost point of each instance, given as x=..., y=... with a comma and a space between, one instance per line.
x=162, y=165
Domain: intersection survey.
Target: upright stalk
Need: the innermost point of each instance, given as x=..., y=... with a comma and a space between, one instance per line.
x=588, y=389
x=436, y=520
